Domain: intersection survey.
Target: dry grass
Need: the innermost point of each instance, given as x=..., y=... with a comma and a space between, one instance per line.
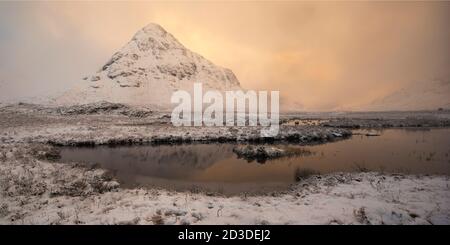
x=157, y=219
x=304, y=173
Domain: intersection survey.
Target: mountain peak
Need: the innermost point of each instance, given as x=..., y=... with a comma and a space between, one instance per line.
x=152, y=37
x=150, y=30
x=153, y=27
x=147, y=69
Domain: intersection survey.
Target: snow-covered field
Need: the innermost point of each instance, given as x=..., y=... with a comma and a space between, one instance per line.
x=37, y=189
x=41, y=192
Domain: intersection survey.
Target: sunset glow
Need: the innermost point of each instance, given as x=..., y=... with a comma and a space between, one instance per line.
x=321, y=56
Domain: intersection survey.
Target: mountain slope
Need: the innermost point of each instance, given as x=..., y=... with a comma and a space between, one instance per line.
x=147, y=70
x=425, y=96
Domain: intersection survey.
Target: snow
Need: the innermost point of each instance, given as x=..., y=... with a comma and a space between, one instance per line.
x=37, y=189
x=146, y=71
x=54, y=193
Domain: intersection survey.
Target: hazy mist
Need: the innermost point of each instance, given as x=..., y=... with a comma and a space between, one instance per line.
x=321, y=56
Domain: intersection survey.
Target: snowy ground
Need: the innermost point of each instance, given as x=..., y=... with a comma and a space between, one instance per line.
x=36, y=189
x=30, y=123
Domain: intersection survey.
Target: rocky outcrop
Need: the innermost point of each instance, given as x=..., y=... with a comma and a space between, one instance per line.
x=261, y=153
x=103, y=107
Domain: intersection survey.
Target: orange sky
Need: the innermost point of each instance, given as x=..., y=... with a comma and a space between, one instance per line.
x=324, y=55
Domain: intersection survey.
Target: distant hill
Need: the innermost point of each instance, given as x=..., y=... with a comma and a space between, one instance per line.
x=424, y=96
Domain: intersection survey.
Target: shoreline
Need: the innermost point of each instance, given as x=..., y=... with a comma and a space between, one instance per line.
x=41, y=192
x=37, y=189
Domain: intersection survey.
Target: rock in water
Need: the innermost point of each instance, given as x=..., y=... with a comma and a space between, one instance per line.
x=146, y=71
x=261, y=153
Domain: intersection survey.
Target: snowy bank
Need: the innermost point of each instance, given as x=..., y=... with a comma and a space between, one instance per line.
x=36, y=190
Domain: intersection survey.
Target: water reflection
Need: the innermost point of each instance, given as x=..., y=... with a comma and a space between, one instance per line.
x=216, y=167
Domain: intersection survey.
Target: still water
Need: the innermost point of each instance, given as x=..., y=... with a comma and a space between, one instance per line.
x=214, y=167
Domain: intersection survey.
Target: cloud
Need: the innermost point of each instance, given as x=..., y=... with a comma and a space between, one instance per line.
x=320, y=55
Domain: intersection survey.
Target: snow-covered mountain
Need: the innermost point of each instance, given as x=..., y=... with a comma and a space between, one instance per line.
x=423, y=96
x=147, y=70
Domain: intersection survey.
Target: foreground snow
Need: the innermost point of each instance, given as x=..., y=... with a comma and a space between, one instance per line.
x=36, y=189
